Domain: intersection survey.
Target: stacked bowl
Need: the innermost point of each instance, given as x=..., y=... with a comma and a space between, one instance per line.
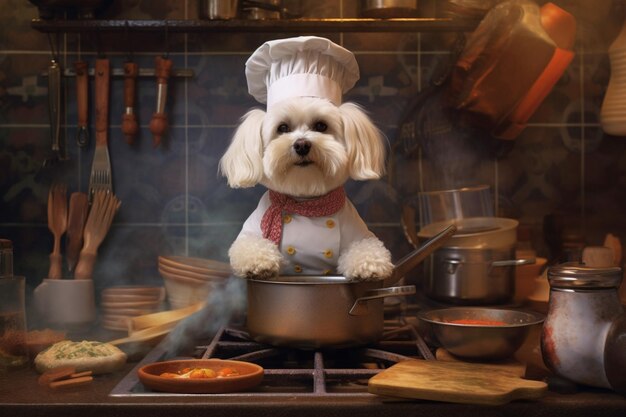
x=121, y=303
x=190, y=280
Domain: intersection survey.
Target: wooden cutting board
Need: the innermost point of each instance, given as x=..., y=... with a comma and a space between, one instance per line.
x=510, y=365
x=457, y=382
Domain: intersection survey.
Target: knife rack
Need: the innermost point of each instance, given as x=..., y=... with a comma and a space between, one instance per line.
x=143, y=72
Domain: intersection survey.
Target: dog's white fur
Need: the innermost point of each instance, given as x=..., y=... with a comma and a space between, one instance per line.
x=350, y=147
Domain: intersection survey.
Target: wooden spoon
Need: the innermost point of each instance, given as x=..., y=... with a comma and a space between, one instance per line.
x=79, y=208
x=103, y=209
x=57, y=223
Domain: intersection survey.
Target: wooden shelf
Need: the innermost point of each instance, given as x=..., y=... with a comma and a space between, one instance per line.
x=267, y=26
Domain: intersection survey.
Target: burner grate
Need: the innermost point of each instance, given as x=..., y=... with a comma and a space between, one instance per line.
x=289, y=373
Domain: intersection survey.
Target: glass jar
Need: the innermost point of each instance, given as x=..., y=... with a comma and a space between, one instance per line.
x=583, y=305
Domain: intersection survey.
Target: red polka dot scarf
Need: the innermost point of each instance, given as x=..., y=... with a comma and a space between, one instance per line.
x=272, y=222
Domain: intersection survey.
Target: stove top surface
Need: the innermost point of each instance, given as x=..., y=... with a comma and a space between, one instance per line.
x=294, y=373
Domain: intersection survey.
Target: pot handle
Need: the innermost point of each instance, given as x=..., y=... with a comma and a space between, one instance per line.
x=453, y=264
x=514, y=262
x=359, y=307
x=411, y=260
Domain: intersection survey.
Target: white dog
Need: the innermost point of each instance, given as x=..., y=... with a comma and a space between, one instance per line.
x=303, y=150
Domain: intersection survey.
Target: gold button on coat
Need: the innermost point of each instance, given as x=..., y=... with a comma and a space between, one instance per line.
x=297, y=268
x=287, y=218
x=330, y=223
x=291, y=250
x=328, y=253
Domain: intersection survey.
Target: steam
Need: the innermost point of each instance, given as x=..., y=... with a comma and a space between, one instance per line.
x=221, y=306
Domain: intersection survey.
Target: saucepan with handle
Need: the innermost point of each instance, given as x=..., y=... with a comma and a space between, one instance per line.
x=314, y=312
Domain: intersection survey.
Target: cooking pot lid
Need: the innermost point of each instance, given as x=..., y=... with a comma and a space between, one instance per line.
x=469, y=229
x=574, y=275
x=470, y=226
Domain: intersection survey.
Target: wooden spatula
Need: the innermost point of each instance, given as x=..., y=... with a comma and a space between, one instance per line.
x=103, y=209
x=57, y=223
x=79, y=208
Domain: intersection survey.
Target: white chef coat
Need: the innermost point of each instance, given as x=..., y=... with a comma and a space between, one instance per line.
x=311, y=245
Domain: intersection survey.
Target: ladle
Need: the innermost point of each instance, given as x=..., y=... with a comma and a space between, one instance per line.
x=411, y=260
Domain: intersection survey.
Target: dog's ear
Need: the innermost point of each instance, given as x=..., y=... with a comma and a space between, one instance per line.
x=242, y=164
x=364, y=143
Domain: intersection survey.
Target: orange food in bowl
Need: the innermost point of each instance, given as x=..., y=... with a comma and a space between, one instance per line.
x=240, y=376
x=198, y=373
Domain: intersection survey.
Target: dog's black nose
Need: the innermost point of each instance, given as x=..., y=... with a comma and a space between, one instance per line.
x=302, y=147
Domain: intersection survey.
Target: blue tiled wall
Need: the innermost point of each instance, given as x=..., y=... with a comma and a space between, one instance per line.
x=173, y=201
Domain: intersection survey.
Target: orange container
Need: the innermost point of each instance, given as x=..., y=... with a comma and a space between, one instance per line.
x=510, y=64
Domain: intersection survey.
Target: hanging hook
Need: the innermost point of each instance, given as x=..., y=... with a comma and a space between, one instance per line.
x=79, y=46
x=167, y=41
x=54, y=50
x=129, y=42
x=97, y=43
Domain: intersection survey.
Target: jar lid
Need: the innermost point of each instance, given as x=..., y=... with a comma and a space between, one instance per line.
x=575, y=275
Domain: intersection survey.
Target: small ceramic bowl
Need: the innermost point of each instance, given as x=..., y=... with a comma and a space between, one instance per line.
x=249, y=376
x=480, y=332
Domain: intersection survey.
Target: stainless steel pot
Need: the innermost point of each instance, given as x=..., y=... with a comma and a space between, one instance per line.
x=219, y=9
x=471, y=276
x=317, y=312
x=312, y=312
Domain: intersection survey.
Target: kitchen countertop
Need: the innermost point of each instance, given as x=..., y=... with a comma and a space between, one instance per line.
x=20, y=395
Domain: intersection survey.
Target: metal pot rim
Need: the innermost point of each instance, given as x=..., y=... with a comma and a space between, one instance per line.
x=310, y=280
x=493, y=225
x=477, y=249
x=435, y=316
x=482, y=187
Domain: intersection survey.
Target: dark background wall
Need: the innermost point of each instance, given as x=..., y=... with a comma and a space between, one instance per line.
x=562, y=178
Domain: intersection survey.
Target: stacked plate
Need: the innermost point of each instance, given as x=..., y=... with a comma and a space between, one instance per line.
x=121, y=303
x=190, y=280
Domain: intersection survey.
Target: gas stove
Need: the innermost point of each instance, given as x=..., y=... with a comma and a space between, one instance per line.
x=294, y=373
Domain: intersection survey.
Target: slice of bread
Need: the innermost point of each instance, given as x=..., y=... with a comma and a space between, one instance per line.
x=94, y=356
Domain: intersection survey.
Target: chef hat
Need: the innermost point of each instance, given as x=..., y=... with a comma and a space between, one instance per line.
x=305, y=66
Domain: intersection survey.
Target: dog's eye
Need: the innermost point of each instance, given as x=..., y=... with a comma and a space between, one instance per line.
x=320, y=127
x=283, y=128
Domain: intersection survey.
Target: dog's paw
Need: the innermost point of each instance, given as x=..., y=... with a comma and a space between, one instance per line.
x=366, y=260
x=254, y=257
